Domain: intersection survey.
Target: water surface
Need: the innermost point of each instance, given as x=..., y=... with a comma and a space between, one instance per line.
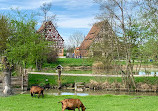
x=95, y=92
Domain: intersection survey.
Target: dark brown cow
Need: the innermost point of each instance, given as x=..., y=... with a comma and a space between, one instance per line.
x=72, y=104
x=36, y=90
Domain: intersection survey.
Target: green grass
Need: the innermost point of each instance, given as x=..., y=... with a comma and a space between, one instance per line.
x=81, y=62
x=148, y=80
x=93, y=103
x=77, y=71
x=41, y=79
x=70, y=62
x=69, y=71
x=52, y=80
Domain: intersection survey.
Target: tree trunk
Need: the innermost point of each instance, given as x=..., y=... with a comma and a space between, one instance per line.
x=7, y=77
x=7, y=83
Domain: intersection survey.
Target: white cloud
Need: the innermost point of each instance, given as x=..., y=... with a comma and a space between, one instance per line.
x=70, y=22
x=76, y=4
x=24, y=4
x=34, y=4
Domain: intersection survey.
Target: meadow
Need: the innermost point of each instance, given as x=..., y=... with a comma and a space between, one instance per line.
x=84, y=62
x=24, y=102
x=70, y=62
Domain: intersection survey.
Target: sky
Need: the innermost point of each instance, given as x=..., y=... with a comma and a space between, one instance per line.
x=71, y=15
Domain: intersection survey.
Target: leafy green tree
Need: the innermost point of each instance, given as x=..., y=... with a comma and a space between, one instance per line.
x=4, y=33
x=134, y=32
x=25, y=46
x=149, y=25
x=150, y=17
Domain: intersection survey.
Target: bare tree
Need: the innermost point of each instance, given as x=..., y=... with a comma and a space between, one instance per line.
x=45, y=8
x=119, y=14
x=76, y=39
x=104, y=45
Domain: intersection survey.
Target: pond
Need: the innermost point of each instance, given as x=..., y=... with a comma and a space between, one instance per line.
x=86, y=93
x=94, y=92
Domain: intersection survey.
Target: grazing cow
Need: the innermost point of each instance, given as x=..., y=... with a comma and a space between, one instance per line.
x=36, y=90
x=72, y=104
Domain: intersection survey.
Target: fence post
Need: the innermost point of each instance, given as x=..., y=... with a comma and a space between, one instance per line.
x=59, y=69
x=7, y=76
x=22, y=80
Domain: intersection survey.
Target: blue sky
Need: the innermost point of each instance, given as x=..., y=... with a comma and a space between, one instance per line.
x=72, y=15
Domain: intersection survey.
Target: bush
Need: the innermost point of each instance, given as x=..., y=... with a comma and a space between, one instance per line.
x=52, y=56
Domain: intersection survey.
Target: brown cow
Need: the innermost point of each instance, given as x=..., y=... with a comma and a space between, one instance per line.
x=72, y=104
x=36, y=90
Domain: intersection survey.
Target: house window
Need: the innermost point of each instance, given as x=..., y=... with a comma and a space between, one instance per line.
x=60, y=51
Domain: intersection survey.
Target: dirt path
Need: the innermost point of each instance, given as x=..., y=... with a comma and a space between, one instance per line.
x=95, y=75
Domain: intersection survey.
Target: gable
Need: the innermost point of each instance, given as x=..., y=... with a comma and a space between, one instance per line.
x=90, y=37
x=50, y=32
x=94, y=33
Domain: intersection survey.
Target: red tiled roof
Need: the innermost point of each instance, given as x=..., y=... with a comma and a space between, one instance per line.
x=43, y=26
x=93, y=33
x=91, y=36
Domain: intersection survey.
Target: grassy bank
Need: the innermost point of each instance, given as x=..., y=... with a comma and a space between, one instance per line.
x=70, y=62
x=93, y=103
x=69, y=71
x=42, y=79
x=84, y=62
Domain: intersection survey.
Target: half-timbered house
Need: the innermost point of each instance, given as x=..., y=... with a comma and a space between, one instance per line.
x=99, y=35
x=51, y=34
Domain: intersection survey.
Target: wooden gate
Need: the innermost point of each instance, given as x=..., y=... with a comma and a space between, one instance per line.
x=18, y=83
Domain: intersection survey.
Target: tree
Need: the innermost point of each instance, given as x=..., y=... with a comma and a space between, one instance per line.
x=149, y=25
x=4, y=33
x=104, y=45
x=150, y=17
x=7, y=76
x=25, y=46
x=75, y=39
x=45, y=8
x=118, y=12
